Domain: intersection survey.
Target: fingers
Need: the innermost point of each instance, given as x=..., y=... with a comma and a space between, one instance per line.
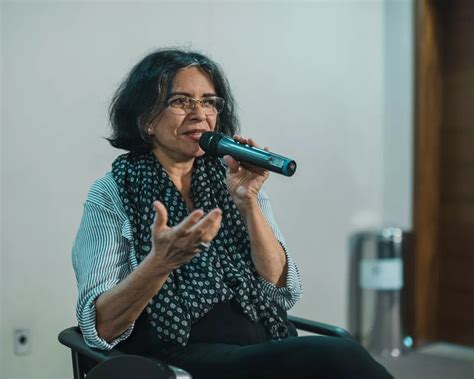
x=177, y=246
x=251, y=142
x=161, y=216
x=244, y=140
x=235, y=166
x=206, y=229
x=194, y=230
x=184, y=227
x=197, y=228
x=231, y=163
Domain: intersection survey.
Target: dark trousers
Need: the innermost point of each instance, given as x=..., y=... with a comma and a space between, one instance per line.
x=316, y=357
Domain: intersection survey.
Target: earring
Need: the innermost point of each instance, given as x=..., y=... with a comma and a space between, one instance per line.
x=149, y=130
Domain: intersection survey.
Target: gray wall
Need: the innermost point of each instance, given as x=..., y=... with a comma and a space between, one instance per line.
x=318, y=81
x=2, y=283
x=398, y=113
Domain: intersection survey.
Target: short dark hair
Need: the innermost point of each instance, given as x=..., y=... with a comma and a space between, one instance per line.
x=142, y=96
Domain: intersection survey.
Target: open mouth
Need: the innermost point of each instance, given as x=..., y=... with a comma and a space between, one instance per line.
x=195, y=135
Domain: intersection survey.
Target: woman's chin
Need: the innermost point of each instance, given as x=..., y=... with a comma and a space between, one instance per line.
x=199, y=153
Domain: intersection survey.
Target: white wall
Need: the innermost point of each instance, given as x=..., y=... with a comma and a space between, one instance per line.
x=2, y=284
x=398, y=113
x=309, y=79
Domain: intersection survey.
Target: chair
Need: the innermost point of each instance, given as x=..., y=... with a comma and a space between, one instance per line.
x=98, y=364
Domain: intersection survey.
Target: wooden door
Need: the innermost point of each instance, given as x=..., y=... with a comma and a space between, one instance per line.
x=444, y=171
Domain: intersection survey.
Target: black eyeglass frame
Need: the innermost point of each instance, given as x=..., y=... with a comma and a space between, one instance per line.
x=190, y=106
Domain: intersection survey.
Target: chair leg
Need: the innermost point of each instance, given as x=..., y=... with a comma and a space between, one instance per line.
x=76, y=366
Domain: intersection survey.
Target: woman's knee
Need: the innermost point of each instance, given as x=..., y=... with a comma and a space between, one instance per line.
x=355, y=360
x=341, y=358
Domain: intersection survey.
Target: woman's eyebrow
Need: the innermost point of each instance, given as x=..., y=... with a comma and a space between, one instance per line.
x=189, y=95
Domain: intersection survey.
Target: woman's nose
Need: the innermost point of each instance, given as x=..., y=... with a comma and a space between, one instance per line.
x=198, y=112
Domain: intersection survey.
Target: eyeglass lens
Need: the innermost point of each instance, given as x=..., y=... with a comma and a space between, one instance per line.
x=185, y=104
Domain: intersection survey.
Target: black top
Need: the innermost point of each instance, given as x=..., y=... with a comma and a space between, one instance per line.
x=225, y=323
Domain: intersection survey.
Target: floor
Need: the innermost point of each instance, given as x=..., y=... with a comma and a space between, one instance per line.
x=436, y=361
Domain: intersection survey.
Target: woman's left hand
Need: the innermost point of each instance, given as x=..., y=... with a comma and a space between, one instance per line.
x=244, y=181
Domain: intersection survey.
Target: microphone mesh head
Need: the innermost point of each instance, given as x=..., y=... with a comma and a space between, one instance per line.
x=209, y=141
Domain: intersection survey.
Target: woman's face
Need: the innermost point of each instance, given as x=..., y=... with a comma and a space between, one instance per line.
x=176, y=136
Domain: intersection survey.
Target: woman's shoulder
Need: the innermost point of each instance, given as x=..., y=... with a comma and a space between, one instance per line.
x=104, y=192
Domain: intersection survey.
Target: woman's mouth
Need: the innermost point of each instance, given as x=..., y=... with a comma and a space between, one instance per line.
x=195, y=136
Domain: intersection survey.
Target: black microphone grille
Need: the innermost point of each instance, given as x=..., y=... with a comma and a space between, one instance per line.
x=209, y=141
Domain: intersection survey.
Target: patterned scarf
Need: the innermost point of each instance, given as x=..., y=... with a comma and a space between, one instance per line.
x=220, y=273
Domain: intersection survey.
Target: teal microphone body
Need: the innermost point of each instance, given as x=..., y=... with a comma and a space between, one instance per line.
x=218, y=145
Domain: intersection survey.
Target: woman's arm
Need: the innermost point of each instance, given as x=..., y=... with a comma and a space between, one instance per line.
x=111, y=297
x=268, y=255
x=171, y=248
x=244, y=183
x=113, y=301
x=119, y=307
x=101, y=258
x=288, y=295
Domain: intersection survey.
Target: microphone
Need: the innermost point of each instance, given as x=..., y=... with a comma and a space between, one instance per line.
x=218, y=145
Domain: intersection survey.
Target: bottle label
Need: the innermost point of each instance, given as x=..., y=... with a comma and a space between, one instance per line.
x=381, y=274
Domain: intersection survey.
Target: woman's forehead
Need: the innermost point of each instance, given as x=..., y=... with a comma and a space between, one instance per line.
x=193, y=79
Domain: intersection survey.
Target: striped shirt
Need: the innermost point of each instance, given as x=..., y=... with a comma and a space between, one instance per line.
x=103, y=255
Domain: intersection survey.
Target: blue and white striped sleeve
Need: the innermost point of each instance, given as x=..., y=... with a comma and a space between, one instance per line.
x=288, y=295
x=100, y=259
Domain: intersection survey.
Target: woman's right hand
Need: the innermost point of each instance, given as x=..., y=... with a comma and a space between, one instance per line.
x=173, y=247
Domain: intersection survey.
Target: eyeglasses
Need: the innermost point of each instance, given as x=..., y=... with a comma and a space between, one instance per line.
x=181, y=104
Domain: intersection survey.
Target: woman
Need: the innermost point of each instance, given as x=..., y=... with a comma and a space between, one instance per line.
x=178, y=255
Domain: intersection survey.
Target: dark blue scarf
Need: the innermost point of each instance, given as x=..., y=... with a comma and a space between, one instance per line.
x=220, y=273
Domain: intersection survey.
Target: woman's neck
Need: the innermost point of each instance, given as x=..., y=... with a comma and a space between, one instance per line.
x=180, y=172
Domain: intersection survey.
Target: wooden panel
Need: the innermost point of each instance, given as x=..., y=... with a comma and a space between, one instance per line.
x=455, y=321
x=458, y=247
x=461, y=213
x=457, y=183
x=458, y=62
x=458, y=107
x=444, y=171
x=457, y=21
x=457, y=230
x=463, y=266
x=457, y=146
x=428, y=117
x=450, y=302
x=454, y=333
x=459, y=80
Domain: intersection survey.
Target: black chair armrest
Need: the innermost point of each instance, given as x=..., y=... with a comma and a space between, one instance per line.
x=72, y=338
x=100, y=362
x=319, y=327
